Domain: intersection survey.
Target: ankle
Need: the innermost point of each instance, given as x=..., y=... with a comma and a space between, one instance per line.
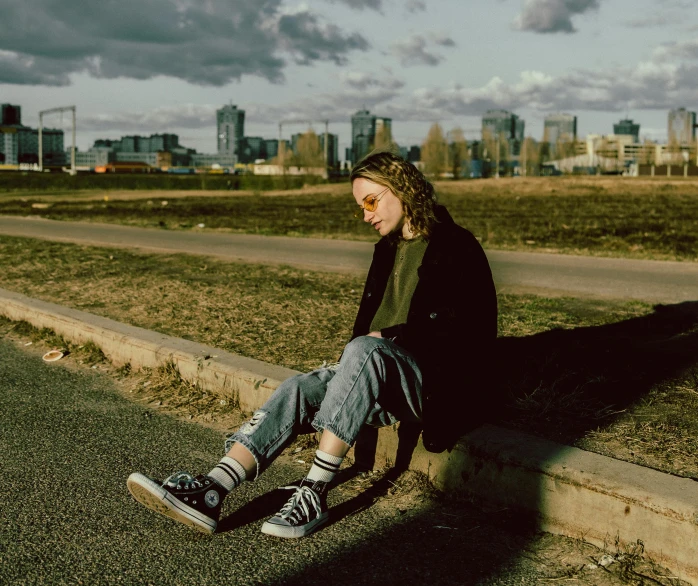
x=325, y=467
x=228, y=474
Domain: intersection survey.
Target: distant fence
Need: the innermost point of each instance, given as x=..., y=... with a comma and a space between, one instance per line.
x=668, y=170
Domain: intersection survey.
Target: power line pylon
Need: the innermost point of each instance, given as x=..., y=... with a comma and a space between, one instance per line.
x=41, y=138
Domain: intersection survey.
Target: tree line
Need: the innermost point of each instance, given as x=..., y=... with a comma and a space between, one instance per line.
x=452, y=155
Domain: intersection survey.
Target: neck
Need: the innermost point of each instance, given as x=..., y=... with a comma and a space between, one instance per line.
x=407, y=233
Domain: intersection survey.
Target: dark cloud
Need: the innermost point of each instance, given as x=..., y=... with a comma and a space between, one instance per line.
x=208, y=42
x=552, y=16
x=18, y=69
x=308, y=40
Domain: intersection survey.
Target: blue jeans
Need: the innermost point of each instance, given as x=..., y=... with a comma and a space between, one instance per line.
x=376, y=383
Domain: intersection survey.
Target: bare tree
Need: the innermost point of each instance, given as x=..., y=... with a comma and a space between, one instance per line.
x=459, y=156
x=503, y=153
x=488, y=147
x=384, y=139
x=283, y=156
x=648, y=153
x=496, y=150
x=565, y=147
x=530, y=157
x=674, y=155
x=434, y=151
x=309, y=152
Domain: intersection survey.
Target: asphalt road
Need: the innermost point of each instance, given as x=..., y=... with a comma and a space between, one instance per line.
x=654, y=281
x=69, y=439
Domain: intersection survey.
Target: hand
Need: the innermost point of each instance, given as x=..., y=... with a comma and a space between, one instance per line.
x=375, y=334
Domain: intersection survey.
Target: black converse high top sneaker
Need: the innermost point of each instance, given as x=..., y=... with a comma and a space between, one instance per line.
x=194, y=501
x=305, y=511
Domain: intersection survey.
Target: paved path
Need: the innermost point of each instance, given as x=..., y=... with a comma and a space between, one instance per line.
x=68, y=441
x=655, y=281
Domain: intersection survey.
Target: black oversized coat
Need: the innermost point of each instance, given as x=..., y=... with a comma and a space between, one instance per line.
x=450, y=328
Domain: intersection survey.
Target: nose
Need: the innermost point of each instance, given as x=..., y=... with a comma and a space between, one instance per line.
x=368, y=215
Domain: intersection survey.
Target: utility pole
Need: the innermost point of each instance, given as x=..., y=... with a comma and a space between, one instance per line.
x=327, y=149
x=496, y=147
x=41, y=137
x=523, y=156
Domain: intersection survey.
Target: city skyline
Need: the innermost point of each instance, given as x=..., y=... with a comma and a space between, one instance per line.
x=170, y=69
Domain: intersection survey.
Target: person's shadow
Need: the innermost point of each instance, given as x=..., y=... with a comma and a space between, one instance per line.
x=559, y=384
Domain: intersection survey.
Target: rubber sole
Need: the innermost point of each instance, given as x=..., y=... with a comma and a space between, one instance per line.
x=289, y=532
x=152, y=495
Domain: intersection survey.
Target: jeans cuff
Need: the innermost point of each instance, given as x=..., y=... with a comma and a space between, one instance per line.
x=321, y=426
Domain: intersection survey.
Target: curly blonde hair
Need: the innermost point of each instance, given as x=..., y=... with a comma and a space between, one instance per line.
x=409, y=185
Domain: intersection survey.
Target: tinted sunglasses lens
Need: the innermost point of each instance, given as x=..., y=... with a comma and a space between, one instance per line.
x=371, y=203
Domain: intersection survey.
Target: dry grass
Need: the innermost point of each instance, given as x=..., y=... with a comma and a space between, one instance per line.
x=631, y=217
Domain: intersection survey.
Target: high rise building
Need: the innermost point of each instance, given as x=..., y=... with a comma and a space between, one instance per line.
x=10, y=115
x=231, y=129
x=53, y=151
x=10, y=124
x=559, y=127
x=250, y=149
x=332, y=148
x=498, y=122
x=504, y=124
x=627, y=127
x=365, y=127
x=271, y=147
x=131, y=144
x=682, y=126
x=9, y=146
x=363, y=133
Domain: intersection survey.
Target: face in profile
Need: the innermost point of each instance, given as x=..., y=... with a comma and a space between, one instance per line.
x=381, y=207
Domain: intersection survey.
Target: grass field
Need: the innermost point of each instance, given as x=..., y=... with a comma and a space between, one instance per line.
x=629, y=217
x=618, y=378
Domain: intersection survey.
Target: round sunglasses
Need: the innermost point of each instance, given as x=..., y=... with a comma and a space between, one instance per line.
x=370, y=203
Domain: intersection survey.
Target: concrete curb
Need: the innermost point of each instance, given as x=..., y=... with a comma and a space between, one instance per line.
x=571, y=492
x=244, y=381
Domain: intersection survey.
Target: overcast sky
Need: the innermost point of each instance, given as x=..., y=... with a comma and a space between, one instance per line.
x=146, y=66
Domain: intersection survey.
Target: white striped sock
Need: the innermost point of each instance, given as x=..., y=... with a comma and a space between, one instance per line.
x=324, y=467
x=229, y=473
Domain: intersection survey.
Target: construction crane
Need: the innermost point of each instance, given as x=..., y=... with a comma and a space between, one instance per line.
x=41, y=140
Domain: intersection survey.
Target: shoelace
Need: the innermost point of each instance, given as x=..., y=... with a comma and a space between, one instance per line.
x=182, y=481
x=302, y=499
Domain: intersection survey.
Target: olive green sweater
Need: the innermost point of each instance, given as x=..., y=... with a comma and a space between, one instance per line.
x=402, y=282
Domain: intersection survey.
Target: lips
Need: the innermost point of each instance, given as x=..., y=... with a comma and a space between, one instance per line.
x=377, y=225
